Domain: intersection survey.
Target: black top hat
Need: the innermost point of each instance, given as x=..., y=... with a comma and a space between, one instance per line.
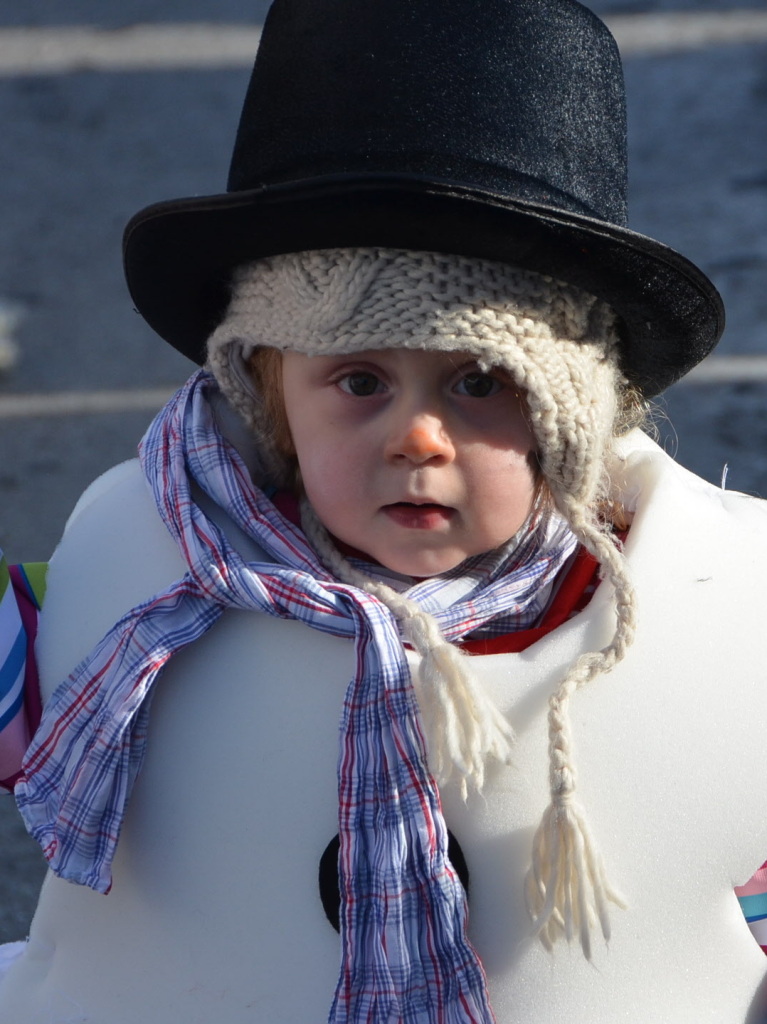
x=494, y=130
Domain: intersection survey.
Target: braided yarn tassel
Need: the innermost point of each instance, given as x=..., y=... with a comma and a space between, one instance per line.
x=566, y=889
x=462, y=725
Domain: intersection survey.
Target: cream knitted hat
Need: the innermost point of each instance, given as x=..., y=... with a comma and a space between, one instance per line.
x=560, y=346
x=558, y=343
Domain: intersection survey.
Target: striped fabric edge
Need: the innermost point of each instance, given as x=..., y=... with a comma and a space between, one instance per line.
x=30, y=578
x=22, y=590
x=752, y=898
x=13, y=648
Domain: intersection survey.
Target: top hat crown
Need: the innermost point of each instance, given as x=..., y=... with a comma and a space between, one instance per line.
x=468, y=93
x=494, y=130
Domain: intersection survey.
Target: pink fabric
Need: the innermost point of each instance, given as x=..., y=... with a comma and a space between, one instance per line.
x=16, y=736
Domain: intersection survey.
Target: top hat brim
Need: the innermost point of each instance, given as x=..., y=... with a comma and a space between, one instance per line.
x=179, y=257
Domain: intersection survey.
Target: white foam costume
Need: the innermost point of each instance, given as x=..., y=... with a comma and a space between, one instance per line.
x=215, y=913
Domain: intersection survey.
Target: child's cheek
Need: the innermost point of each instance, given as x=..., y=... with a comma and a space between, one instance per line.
x=334, y=479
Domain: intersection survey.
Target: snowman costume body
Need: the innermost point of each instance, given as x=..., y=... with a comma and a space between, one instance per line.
x=215, y=910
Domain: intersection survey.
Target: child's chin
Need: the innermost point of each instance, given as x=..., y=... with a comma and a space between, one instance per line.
x=424, y=563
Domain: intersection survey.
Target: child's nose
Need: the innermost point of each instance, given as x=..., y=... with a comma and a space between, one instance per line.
x=422, y=440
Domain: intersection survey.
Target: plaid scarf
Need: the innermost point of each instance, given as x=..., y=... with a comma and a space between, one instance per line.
x=405, y=954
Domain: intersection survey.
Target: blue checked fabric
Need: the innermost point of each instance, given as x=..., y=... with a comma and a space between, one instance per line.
x=405, y=954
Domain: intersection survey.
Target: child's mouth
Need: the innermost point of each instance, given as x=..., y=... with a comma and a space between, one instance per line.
x=423, y=516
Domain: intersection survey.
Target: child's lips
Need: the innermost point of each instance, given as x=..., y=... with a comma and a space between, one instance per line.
x=426, y=515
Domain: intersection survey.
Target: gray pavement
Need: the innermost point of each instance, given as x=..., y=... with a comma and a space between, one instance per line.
x=84, y=149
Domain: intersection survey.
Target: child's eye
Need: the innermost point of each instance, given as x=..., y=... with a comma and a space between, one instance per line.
x=361, y=384
x=478, y=385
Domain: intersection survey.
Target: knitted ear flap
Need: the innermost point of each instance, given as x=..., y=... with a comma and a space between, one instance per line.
x=228, y=364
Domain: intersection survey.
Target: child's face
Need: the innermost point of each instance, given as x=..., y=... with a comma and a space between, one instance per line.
x=416, y=458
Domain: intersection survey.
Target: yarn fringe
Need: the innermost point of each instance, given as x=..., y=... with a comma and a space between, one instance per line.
x=567, y=891
x=462, y=725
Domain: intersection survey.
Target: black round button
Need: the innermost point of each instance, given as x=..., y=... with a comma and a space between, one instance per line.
x=328, y=877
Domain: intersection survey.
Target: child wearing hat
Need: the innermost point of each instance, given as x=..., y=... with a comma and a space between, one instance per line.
x=402, y=658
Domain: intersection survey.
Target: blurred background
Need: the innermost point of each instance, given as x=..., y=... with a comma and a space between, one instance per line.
x=108, y=106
